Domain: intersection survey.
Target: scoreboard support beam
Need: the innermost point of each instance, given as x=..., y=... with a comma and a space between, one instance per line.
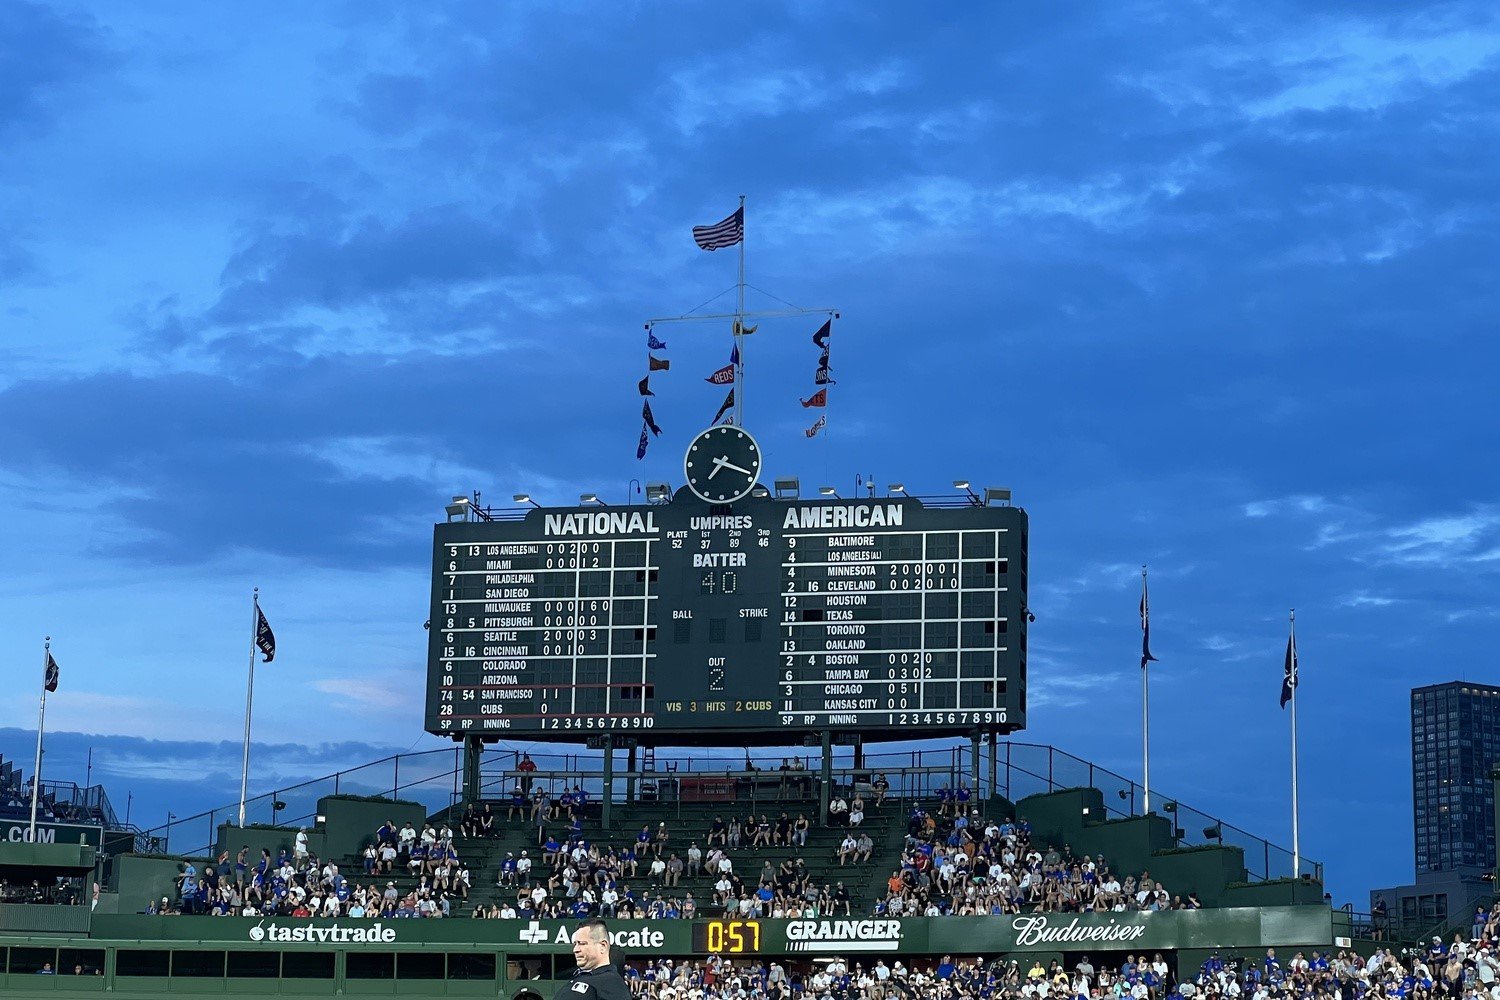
x=473, y=751
x=607, y=801
x=974, y=739
x=825, y=785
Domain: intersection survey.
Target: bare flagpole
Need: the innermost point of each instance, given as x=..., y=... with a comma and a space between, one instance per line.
x=739, y=329
x=41, y=724
x=1296, y=843
x=1145, y=707
x=249, y=701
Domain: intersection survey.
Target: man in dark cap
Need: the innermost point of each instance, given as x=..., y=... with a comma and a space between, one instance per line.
x=596, y=977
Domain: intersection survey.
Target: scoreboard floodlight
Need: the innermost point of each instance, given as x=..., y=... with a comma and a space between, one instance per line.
x=723, y=610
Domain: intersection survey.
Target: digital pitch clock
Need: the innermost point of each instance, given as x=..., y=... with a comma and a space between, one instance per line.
x=727, y=937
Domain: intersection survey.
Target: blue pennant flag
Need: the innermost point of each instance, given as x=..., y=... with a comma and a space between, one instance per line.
x=653, y=344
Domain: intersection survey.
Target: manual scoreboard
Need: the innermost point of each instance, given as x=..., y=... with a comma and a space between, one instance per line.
x=760, y=618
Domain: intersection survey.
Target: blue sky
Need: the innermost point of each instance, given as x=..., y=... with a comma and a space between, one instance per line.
x=1208, y=285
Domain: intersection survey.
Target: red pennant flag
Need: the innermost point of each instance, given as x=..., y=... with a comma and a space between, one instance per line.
x=819, y=398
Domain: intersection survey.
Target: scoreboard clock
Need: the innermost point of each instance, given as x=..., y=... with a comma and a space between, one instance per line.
x=725, y=611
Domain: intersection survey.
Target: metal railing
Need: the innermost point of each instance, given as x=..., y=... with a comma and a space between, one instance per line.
x=1011, y=769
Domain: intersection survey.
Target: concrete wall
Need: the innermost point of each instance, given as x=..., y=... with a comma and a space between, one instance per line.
x=1277, y=892
x=350, y=823
x=272, y=838
x=1204, y=870
x=142, y=879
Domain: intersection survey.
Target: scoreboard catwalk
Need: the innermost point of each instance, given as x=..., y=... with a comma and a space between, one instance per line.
x=759, y=618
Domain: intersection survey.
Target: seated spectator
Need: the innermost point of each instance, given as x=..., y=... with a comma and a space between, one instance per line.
x=838, y=811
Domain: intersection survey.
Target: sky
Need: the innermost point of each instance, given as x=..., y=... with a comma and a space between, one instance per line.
x=1208, y=285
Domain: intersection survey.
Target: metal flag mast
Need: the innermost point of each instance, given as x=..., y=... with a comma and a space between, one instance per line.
x=1296, y=844
x=249, y=701
x=41, y=720
x=1145, y=707
x=738, y=318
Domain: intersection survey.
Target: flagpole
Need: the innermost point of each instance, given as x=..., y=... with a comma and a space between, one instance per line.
x=1145, y=719
x=249, y=700
x=41, y=723
x=739, y=329
x=1296, y=844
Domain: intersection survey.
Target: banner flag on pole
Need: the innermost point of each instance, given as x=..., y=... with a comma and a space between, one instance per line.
x=1289, y=670
x=658, y=364
x=821, y=337
x=265, y=639
x=653, y=344
x=740, y=330
x=823, y=359
x=734, y=354
x=728, y=405
x=819, y=398
x=645, y=386
x=648, y=418
x=821, y=423
x=640, y=449
x=723, y=376
x=721, y=234
x=49, y=678
x=821, y=377
x=1146, y=656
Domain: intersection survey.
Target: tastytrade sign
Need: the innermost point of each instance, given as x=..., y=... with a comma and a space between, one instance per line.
x=375, y=933
x=849, y=935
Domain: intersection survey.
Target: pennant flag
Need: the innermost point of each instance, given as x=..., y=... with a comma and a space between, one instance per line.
x=645, y=386
x=728, y=405
x=819, y=398
x=265, y=639
x=650, y=420
x=658, y=365
x=49, y=677
x=734, y=354
x=740, y=330
x=821, y=337
x=721, y=234
x=821, y=423
x=1146, y=656
x=823, y=359
x=654, y=344
x=723, y=376
x=821, y=377
x=640, y=449
x=1289, y=671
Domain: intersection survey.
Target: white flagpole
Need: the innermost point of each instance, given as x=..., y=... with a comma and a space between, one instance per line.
x=249, y=700
x=739, y=329
x=1145, y=715
x=41, y=724
x=1296, y=679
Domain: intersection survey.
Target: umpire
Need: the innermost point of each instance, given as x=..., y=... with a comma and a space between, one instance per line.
x=596, y=978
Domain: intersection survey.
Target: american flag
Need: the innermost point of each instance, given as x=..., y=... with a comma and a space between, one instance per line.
x=721, y=234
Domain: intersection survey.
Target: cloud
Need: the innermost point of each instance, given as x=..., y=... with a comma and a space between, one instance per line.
x=50, y=52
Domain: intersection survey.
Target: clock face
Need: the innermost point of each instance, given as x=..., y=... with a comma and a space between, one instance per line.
x=722, y=464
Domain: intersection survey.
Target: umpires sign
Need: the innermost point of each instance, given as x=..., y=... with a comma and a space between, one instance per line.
x=18, y=832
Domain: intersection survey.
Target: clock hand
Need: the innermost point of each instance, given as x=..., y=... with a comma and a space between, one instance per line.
x=730, y=465
x=719, y=464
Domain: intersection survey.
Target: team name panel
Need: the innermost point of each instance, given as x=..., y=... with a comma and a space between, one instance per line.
x=763, y=618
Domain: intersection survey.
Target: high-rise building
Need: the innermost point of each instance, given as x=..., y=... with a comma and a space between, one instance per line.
x=1455, y=740
x=1455, y=744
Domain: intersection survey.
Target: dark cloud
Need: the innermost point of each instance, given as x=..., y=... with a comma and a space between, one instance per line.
x=49, y=52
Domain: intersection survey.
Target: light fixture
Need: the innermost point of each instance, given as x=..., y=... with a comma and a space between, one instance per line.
x=458, y=510
x=525, y=498
x=996, y=494
x=587, y=498
x=963, y=484
x=759, y=491
x=787, y=488
x=829, y=491
x=658, y=492
x=896, y=489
